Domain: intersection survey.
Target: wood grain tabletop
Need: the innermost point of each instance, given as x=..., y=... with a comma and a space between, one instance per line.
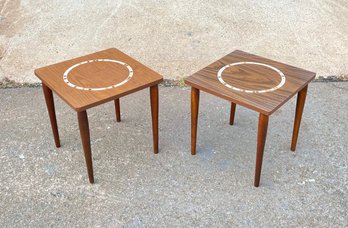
x=251, y=81
x=93, y=79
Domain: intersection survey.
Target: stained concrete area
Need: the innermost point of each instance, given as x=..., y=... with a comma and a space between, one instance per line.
x=42, y=186
x=175, y=38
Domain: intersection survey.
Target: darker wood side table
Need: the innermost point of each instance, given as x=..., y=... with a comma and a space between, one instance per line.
x=254, y=82
x=94, y=79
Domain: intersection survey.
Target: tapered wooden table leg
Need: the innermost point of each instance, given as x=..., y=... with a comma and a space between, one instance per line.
x=194, y=118
x=232, y=113
x=85, y=138
x=51, y=112
x=301, y=98
x=154, y=115
x=117, y=110
x=261, y=140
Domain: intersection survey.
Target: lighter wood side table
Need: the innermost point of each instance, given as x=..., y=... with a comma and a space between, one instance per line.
x=94, y=79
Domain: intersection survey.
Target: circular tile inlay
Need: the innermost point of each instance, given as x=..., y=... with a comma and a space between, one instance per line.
x=281, y=74
x=66, y=74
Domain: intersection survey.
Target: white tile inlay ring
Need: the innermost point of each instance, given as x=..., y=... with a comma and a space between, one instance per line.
x=281, y=74
x=66, y=73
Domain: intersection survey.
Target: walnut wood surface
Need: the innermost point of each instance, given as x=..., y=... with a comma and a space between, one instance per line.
x=232, y=113
x=194, y=118
x=97, y=75
x=301, y=98
x=117, y=110
x=261, y=141
x=251, y=77
x=154, y=116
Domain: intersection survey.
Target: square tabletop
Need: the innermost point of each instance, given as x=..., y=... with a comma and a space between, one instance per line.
x=251, y=81
x=97, y=78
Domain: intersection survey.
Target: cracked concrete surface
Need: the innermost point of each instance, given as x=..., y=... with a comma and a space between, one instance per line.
x=175, y=38
x=42, y=186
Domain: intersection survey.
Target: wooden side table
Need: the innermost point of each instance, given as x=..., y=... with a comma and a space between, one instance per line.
x=256, y=83
x=94, y=79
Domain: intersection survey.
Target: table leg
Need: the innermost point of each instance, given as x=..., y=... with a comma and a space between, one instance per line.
x=233, y=110
x=194, y=118
x=154, y=115
x=85, y=138
x=117, y=110
x=301, y=98
x=51, y=112
x=261, y=140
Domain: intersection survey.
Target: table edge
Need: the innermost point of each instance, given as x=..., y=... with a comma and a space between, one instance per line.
x=102, y=101
x=207, y=90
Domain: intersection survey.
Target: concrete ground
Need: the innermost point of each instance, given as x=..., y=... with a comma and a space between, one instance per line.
x=42, y=186
x=175, y=38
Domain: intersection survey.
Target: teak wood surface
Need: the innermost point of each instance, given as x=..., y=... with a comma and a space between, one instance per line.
x=97, y=75
x=52, y=113
x=251, y=77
